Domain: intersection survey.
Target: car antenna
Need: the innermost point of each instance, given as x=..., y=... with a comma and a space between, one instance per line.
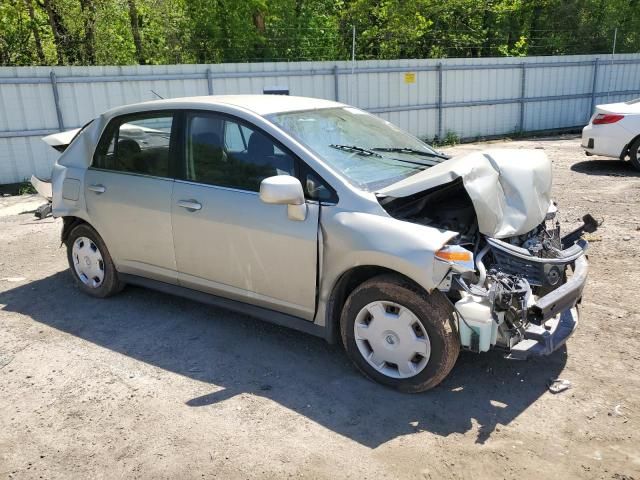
x=157, y=95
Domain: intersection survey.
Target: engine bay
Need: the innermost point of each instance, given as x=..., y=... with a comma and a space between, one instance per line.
x=510, y=274
x=447, y=207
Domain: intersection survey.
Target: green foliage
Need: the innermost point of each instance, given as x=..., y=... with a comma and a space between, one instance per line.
x=26, y=189
x=450, y=139
x=120, y=32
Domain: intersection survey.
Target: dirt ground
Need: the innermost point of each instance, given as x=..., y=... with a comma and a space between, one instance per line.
x=145, y=385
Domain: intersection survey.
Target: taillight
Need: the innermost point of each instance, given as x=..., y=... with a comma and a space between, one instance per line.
x=603, y=118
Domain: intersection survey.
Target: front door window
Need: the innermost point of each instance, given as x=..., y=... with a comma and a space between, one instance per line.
x=224, y=152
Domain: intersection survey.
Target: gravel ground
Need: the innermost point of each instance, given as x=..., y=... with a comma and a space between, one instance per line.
x=146, y=385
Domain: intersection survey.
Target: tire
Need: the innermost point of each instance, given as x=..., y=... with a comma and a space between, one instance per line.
x=91, y=264
x=634, y=154
x=432, y=322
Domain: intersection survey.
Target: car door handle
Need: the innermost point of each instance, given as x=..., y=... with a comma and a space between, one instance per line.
x=97, y=188
x=189, y=204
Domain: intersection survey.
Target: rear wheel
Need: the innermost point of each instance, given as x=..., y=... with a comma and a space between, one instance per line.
x=399, y=335
x=634, y=154
x=91, y=264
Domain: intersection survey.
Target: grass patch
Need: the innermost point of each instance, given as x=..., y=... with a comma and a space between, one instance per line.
x=25, y=188
x=450, y=139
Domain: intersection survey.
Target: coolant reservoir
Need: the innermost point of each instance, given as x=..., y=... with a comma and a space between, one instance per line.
x=475, y=320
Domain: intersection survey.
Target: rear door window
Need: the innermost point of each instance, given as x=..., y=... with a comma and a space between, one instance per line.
x=139, y=143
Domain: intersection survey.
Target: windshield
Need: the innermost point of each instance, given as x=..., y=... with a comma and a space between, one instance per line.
x=370, y=152
x=633, y=102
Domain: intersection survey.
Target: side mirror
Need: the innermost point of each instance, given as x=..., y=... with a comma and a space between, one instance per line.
x=285, y=190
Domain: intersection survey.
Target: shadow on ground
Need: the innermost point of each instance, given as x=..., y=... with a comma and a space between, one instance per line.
x=300, y=372
x=609, y=167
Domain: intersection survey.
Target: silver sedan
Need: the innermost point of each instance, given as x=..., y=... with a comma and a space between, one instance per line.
x=321, y=217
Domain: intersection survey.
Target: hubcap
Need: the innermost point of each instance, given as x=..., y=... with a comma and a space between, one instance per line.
x=87, y=262
x=392, y=339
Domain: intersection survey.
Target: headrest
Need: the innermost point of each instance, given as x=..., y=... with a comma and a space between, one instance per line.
x=210, y=139
x=260, y=145
x=127, y=147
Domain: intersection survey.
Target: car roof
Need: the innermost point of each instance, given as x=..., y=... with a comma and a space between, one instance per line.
x=260, y=104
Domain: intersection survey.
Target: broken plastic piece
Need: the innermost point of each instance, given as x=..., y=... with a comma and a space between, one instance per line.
x=557, y=385
x=43, y=211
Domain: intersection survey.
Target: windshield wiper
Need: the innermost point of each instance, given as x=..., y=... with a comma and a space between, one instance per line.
x=412, y=151
x=358, y=150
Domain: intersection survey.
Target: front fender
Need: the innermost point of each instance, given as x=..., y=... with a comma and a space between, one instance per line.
x=352, y=239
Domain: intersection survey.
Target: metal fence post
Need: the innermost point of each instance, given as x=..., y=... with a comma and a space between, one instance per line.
x=336, y=93
x=439, y=67
x=56, y=100
x=613, y=54
x=594, y=85
x=209, y=82
x=523, y=91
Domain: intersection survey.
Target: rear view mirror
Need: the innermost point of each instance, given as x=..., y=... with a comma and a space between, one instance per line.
x=285, y=190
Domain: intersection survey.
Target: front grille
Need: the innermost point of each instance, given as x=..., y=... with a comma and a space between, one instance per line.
x=533, y=272
x=545, y=272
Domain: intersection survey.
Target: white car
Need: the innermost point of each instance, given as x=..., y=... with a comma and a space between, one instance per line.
x=614, y=131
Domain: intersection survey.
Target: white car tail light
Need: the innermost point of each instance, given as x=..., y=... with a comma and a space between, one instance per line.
x=603, y=118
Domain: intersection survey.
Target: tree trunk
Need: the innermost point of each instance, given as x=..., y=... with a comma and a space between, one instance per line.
x=57, y=28
x=258, y=21
x=89, y=14
x=259, y=24
x=35, y=32
x=135, y=31
x=487, y=30
x=298, y=10
x=534, y=33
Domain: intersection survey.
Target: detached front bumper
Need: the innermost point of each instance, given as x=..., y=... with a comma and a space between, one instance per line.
x=557, y=315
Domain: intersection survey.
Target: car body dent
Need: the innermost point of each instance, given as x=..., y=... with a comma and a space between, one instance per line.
x=61, y=139
x=510, y=189
x=63, y=207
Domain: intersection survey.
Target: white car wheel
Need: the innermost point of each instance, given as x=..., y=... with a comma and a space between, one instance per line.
x=88, y=262
x=392, y=339
x=91, y=263
x=398, y=334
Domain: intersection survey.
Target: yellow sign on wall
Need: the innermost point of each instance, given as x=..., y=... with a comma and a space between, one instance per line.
x=410, y=77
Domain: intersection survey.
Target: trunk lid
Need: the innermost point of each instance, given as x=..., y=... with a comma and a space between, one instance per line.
x=621, y=108
x=60, y=141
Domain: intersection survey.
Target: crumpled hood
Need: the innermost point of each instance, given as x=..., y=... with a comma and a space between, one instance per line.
x=510, y=189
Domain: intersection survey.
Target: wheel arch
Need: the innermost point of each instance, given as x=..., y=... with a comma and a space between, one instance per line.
x=68, y=224
x=626, y=150
x=346, y=283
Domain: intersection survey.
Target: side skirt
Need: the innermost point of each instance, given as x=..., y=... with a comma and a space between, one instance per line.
x=261, y=313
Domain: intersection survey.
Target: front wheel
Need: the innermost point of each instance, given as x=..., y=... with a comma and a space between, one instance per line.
x=90, y=263
x=398, y=335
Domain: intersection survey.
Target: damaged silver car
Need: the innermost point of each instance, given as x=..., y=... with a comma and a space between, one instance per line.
x=321, y=217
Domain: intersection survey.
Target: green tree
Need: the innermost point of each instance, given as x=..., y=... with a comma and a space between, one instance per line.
x=86, y=32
